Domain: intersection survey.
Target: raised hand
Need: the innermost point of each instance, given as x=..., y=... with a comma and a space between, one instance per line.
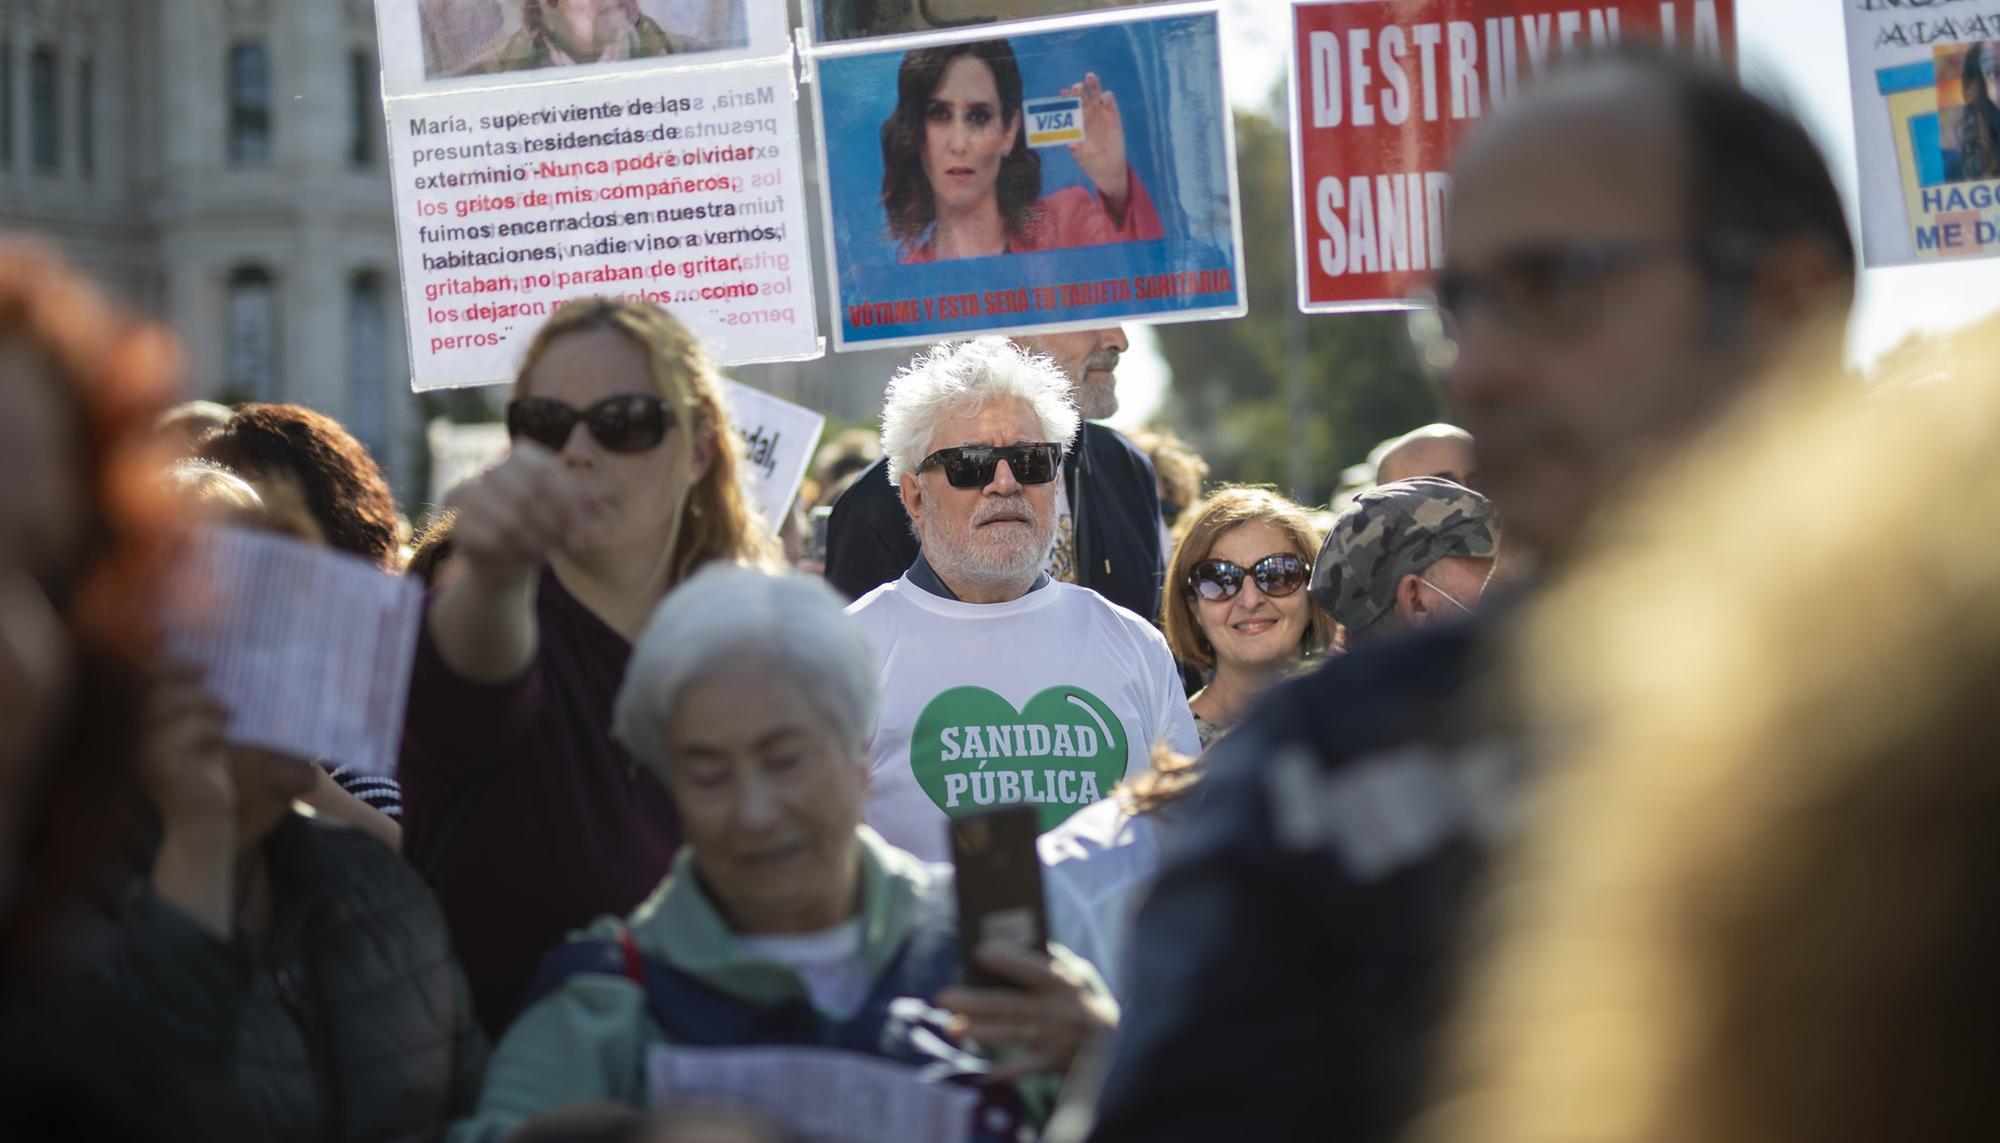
x=1101, y=154
x=513, y=515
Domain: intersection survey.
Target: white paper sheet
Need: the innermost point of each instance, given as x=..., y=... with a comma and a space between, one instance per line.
x=819, y=1094
x=310, y=649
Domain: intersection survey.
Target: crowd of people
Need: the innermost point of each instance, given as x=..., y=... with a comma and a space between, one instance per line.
x=1605, y=766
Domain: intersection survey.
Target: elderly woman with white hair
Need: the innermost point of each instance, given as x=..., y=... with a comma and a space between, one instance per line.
x=785, y=922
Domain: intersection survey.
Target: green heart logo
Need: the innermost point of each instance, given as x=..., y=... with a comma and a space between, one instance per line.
x=971, y=750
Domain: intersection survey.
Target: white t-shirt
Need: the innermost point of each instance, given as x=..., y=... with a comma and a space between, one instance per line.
x=1095, y=869
x=1050, y=699
x=828, y=962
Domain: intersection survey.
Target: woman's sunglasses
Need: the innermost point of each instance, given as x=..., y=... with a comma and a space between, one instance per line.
x=973, y=466
x=1277, y=576
x=633, y=422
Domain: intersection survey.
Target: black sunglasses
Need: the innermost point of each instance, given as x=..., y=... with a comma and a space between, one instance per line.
x=973, y=466
x=1278, y=575
x=632, y=422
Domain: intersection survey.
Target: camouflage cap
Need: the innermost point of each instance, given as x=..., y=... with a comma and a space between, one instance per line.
x=1394, y=530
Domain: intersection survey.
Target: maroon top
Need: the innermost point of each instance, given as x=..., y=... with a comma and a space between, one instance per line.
x=519, y=809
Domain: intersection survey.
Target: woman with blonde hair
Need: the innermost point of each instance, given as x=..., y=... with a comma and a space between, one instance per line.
x=1235, y=602
x=1758, y=898
x=519, y=808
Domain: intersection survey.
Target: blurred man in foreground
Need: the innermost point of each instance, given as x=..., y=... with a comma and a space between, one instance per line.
x=1630, y=245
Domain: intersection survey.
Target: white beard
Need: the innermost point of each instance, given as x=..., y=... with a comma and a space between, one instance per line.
x=957, y=555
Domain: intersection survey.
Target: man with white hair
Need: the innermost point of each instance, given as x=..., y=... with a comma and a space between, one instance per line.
x=1000, y=684
x=1107, y=535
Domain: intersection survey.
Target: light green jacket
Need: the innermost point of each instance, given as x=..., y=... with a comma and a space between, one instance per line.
x=588, y=1040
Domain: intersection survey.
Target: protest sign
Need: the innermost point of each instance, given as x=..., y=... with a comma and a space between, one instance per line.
x=309, y=649
x=1926, y=86
x=544, y=150
x=815, y=1093
x=835, y=20
x=1116, y=201
x=446, y=45
x=1383, y=90
x=778, y=442
x=681, y=188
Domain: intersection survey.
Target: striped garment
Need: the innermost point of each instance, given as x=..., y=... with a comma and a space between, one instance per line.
x=384, y=794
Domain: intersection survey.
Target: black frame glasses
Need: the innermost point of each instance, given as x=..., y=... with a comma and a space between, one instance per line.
x=1277, y=575
x=1555, y=290
x=974, y=466
x=629, y=422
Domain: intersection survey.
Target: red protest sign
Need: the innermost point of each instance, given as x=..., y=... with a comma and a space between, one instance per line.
x=1382, y=91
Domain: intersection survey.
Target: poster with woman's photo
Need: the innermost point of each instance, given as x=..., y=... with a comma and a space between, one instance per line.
x=1064, y=178
x=1968, y=82
x=433, y=45
x=1927, y=131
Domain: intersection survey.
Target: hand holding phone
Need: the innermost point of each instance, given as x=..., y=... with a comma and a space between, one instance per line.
x=1015, y=996
x=999, y=884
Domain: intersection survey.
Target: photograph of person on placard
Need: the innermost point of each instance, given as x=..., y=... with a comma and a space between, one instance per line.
x=860, y=19
x=1068, y=175
x=959, y=179
x=1968, y=85
x=490, y=37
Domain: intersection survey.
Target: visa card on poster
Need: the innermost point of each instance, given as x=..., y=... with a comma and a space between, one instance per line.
x=1054, y=122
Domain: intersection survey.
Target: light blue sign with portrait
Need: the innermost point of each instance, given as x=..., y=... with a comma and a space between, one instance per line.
x=1067, y=178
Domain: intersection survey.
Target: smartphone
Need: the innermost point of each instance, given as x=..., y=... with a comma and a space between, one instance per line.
x=817, y=552
x=999, y=883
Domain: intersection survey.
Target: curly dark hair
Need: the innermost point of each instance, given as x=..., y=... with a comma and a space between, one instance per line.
x=344, y=490
x=113, y=377
x=906, y=193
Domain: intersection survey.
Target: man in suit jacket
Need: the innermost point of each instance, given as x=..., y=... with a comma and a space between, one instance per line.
x=1113, y=540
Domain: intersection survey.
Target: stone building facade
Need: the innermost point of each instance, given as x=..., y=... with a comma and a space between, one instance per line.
x=220, y=163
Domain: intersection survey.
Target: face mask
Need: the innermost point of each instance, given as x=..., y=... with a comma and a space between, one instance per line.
x=1449, y=596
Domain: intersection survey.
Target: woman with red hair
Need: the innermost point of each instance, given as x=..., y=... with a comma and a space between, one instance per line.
x=85, y=540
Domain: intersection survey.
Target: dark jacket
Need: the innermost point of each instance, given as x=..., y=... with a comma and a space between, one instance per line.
x=351, y=1022
x=1113, y=498
x=1294, y=962
x=74, y=1068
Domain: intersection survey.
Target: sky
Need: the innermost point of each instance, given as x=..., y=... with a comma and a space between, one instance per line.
x=1793, y=50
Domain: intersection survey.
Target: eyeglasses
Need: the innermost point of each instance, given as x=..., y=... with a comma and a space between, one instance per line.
x=1552, y=291
x=973, y=466
x=632, y=422
x=1277, y=575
